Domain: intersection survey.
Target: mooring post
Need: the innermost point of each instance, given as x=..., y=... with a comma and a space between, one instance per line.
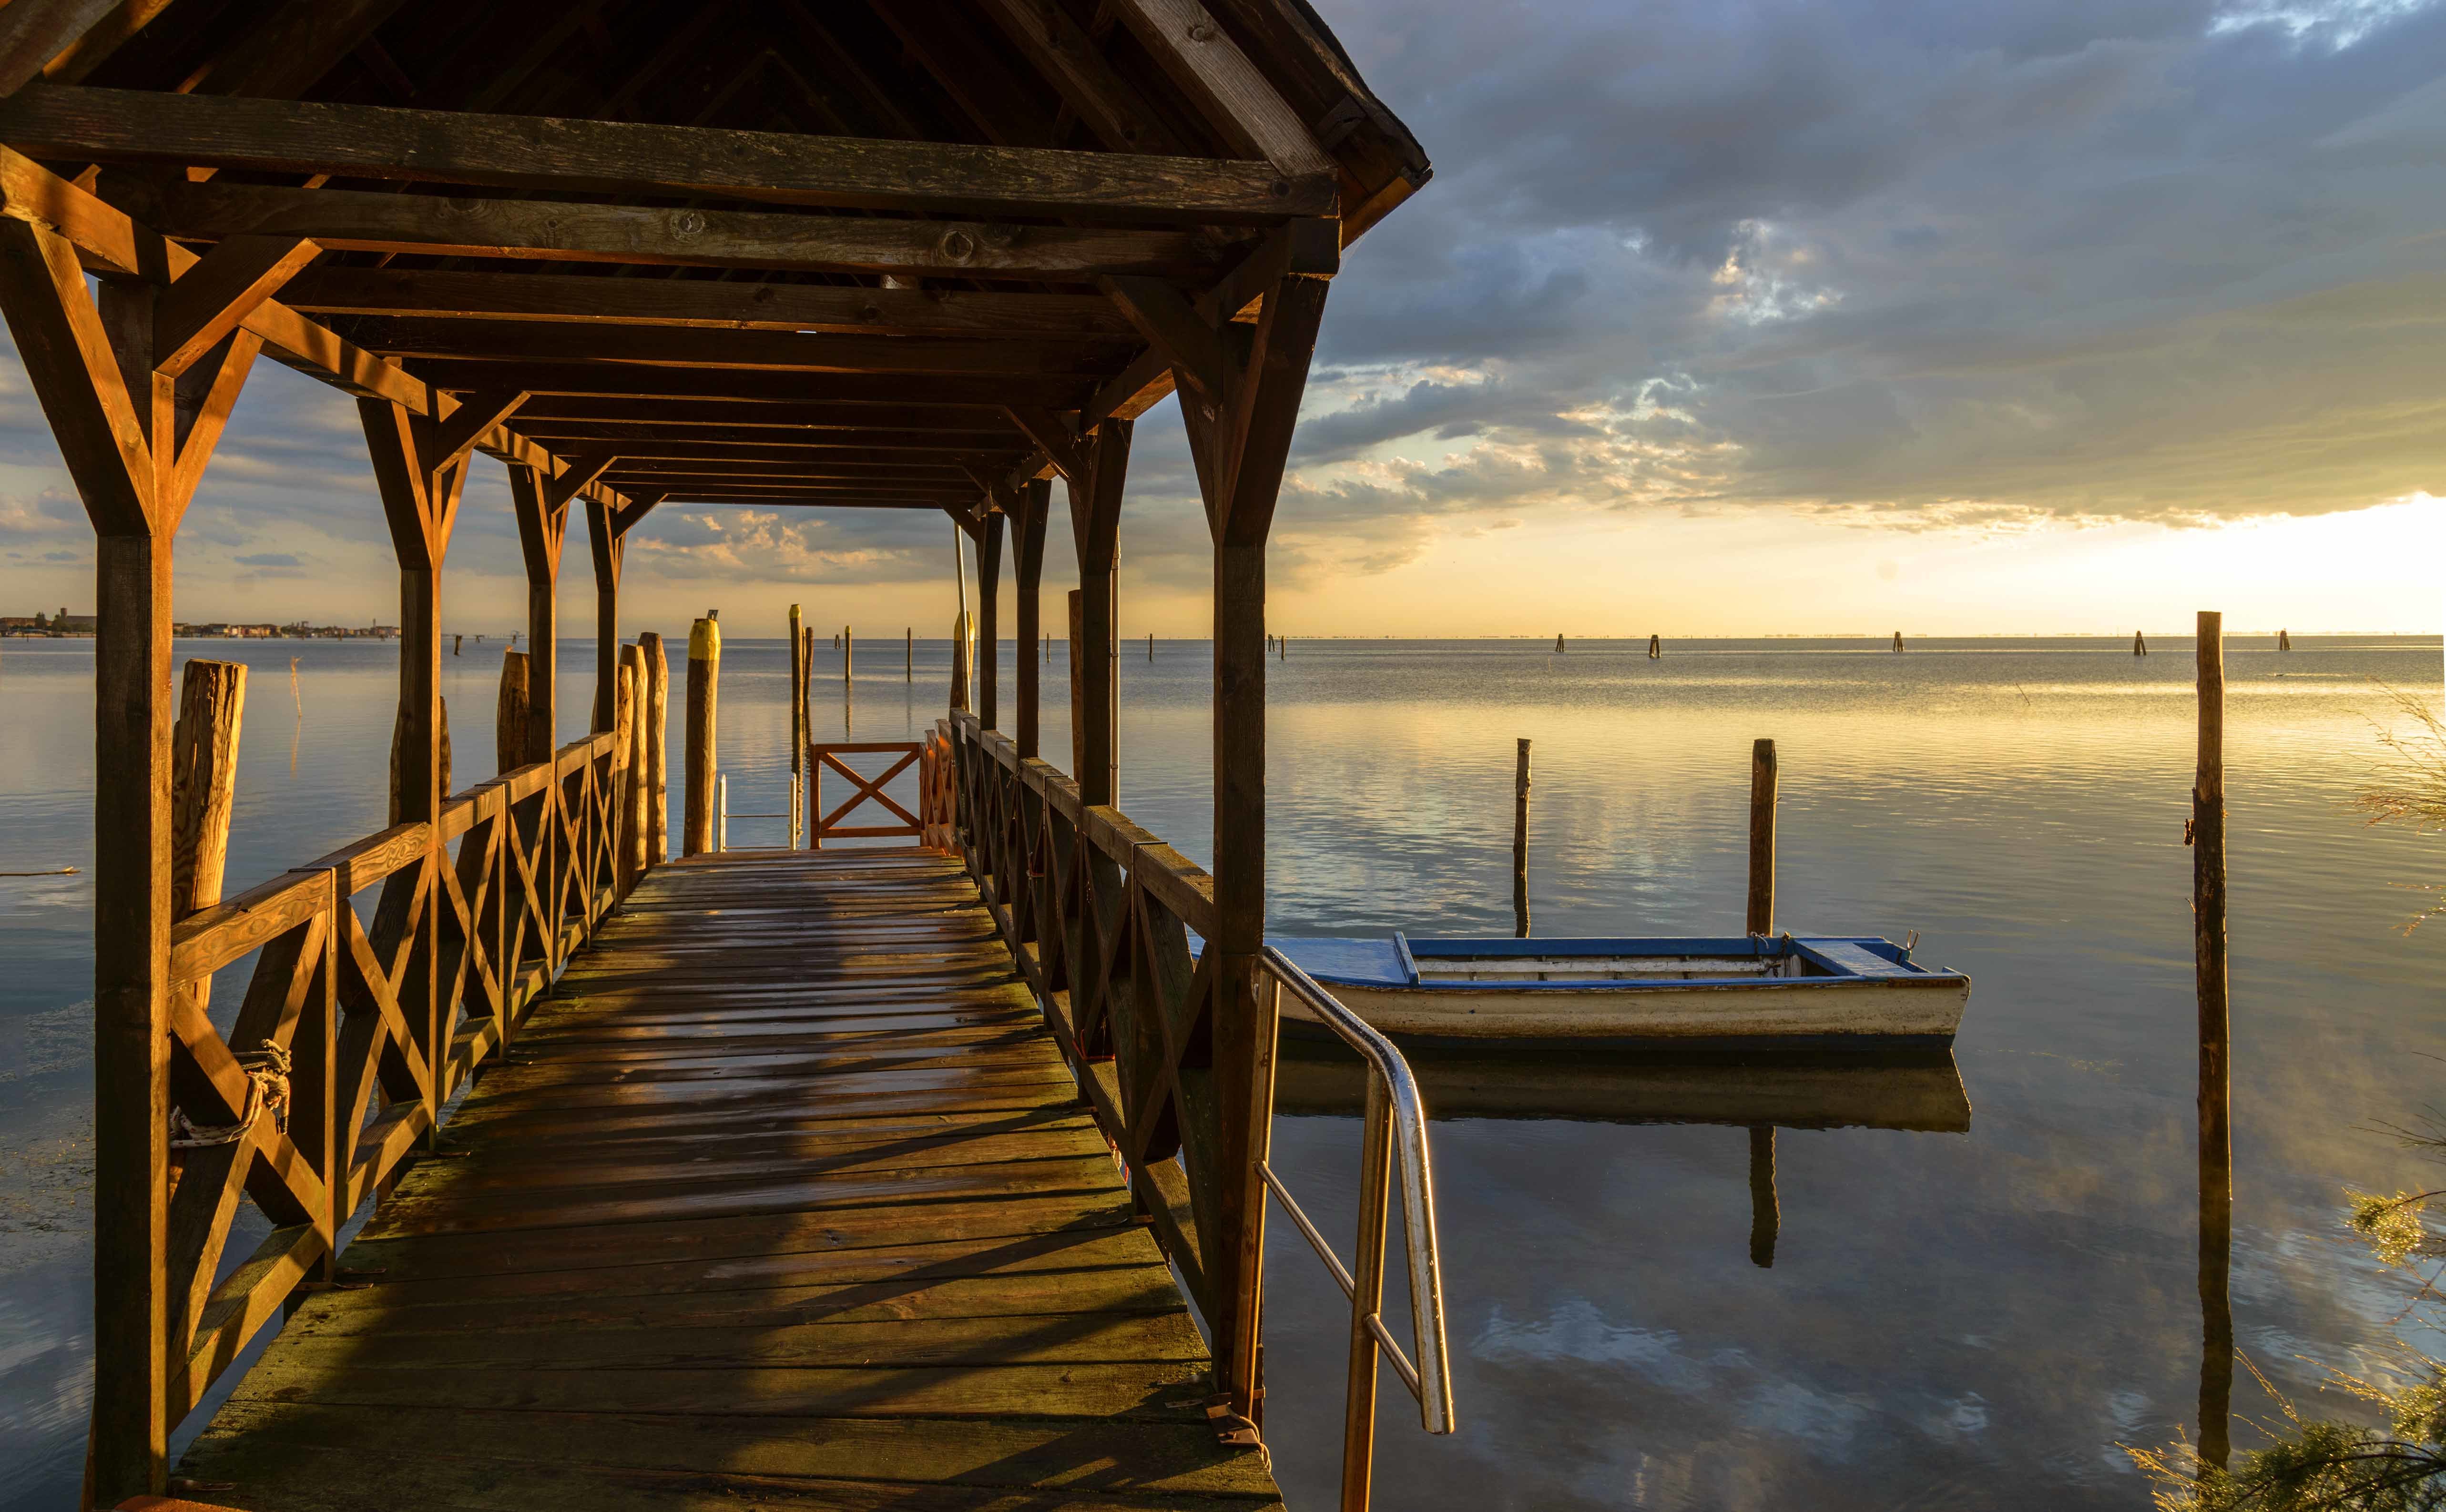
x=1520, y=843
x=1767, y=1218
x=704, y=687
x=798, y=723
x=203, y=789
x=624, y=683
x=1898, y=640
x=849, y=653
x=1761, y=919
x=510, y=715
x=2139, y=644
x=910, y=635
x=1656, y=648
x=2207, y=835
x=658, y=804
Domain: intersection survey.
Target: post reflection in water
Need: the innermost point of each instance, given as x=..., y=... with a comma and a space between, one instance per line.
x=1764, y=1218
x=2216, y=1245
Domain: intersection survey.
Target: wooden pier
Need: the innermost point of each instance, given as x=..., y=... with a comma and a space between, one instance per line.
x=646, y=258
x=786, y=1199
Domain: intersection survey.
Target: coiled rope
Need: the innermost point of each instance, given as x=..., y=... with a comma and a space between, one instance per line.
x=266, y=1090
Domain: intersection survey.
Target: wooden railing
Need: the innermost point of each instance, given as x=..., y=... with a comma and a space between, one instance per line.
x=352, y=1038
x=1098, y=912
x=864, y=790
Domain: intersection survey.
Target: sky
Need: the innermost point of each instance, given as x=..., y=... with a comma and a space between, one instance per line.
x=1720, y=317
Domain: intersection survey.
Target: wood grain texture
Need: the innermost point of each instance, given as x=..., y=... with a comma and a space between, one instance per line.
x=787, y=1198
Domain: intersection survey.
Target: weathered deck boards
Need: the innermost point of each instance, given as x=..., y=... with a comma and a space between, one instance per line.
x=783, y=1203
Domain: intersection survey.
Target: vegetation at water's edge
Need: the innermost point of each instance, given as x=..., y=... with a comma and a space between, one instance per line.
x=2409, y=786
x=2313, y=1465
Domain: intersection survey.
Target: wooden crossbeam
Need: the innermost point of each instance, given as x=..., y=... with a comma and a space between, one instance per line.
x=915, y=423
x=1072, y=61
x=108, y=239
x=1231, y=91
x=548, y=230
x=725, y=305
x=747, y=386
x=628, y=157
x=584, y=468
x=774, y=350
x=1055, y=434
x=880, y=447
x=214, y=296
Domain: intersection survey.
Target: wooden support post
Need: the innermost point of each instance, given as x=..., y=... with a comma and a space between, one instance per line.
x=1898, y=640
x=703, y=685
x=1078, y=660
x=909, y=674
x=799, y=669
x=637, y=802
x=138, y=386
x=1520, y=842
x=1095, y=528
x=2139, y=644
x=1656, y=648
x=203, y=787
x=1027, y=573
x=962, y=642
x=658, y=806
x=1766, y=1217
x=541, y=529
x=849, y=654
x=420, y=504
x=1760, y=917
x=989, y=537
x=605, y=545
x=2205, y=834
x=510, y=715
x=1150, y=645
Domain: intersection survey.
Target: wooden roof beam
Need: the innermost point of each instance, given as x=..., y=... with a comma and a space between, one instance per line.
x=703, y=303
x=1230, y=91
x=356, y=220
x=813, y=418
x=756, y=351
x=748, y=387
x=564, y=156
x=109, y=240
x=1072, y=63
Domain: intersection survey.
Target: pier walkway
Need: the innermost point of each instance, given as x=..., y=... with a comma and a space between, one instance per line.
x=783, y=1198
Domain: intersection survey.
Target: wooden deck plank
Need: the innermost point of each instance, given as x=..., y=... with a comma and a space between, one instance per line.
x=783, y=1199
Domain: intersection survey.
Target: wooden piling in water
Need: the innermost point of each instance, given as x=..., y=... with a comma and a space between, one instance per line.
x=1766, y=1215
x=1761, y=914
x=1520, y=843
x=912, y=638
x=203, y=788
x=1150, y=645
x=2139, y=644
x=2284, y=641
x=849, y=653
x=624, y=684
x=458, y=645
x=1656, y=648
x=799, y=670
x=510, y=715
x=703, y=691
x=1558, y=645
x=2209, y=948
x=658, y=804
x=1898, y=640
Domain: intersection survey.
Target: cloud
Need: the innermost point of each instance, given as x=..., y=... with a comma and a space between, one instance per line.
x=1911, y=267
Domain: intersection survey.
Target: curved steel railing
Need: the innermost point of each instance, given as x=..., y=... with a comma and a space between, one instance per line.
x=1396, y=1137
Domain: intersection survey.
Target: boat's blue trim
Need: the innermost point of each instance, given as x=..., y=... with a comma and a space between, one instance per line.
x=1409, y=961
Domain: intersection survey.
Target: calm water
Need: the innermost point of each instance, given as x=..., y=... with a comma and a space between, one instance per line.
x=1953, y=1316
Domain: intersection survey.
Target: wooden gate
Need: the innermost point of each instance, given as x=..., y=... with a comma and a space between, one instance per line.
x=825, y=826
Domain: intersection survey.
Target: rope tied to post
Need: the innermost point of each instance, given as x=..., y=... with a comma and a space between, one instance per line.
x=267, y=1091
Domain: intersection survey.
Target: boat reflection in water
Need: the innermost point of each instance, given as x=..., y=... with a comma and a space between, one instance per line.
x=1919, y=1092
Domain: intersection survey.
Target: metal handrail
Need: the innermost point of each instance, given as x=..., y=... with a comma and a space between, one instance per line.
x=1396, y=1137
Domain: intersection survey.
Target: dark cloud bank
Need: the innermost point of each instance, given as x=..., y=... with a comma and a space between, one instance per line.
x=1918, y=265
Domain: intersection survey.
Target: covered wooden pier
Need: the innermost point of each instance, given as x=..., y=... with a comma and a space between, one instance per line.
x=920, y=254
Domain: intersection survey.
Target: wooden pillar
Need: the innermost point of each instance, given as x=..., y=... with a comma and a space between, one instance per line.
x=137, y=387
x=1520, y=841
x=606, y=544
x=1095, y=528
x=635, y=801
x=849, y=653
x=2207, y=835
x=1760, y=917
x=510, y=715
x=1028, y=571
x=420, y=504
x=910, y=674
x=203, y=787
x=658, y=809
x=541, y=529
x=704, y=686
x=799, y=667
x=988, y=536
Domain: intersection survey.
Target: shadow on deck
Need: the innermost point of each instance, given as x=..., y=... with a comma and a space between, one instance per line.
x=784, y=1200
